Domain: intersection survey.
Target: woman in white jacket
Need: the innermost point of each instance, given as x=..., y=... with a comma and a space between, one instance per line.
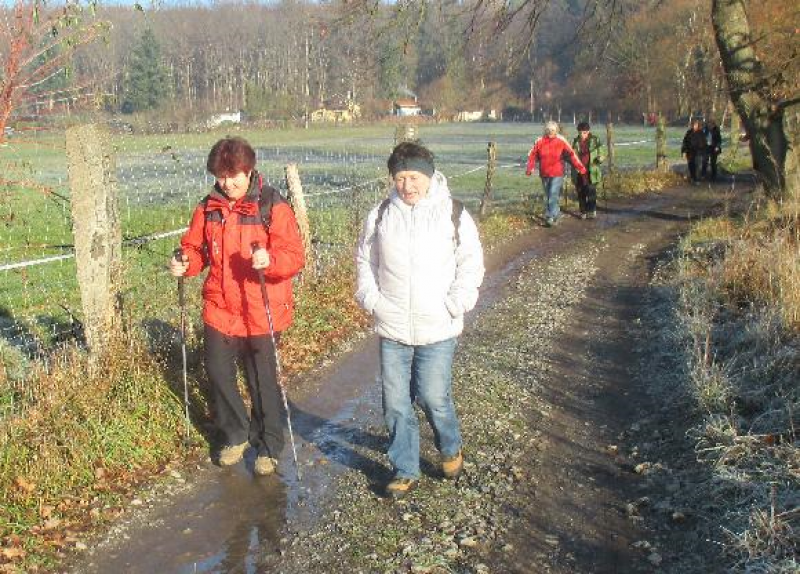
x=420, y=264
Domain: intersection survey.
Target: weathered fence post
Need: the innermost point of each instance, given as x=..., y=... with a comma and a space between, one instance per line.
x=487, y=189
x=791, y=125
x=610, y=144
x=96, y=229
x=661, y=145
x=405, y=133
x=298, y=201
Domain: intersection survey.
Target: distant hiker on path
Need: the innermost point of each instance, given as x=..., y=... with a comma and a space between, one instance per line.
x=229, y=233
x=694, y=150
x=420, y=264
x=713, y=148
x=589, y=150
x=549, y=152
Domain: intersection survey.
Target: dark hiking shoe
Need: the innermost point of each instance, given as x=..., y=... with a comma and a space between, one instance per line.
x=548, y=222
x=230, y=455
x=265, y=465
x=400, y=487
x=453, y=465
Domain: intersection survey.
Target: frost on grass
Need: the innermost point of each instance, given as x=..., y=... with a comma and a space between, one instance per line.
x=736, y=372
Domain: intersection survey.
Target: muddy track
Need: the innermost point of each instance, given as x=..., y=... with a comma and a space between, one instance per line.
x=564, y=505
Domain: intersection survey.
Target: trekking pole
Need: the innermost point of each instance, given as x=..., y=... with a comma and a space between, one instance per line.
x=182, y=304
x=278, y=373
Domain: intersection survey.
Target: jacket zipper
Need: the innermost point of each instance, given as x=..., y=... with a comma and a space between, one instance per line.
x=411, y=334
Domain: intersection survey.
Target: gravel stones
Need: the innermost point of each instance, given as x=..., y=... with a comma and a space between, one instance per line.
x=455, y=526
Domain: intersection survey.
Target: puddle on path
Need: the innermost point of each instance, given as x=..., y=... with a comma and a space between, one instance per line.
x=218, y=525
x=227, y=519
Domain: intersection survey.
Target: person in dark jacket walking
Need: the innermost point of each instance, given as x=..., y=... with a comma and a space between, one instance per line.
x=713, y=148
x=549, y=152
x=694, y=149
x=589, y=150
x=227, y=235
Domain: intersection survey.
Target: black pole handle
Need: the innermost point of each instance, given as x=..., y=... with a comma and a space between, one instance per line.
x=254, y=246
x=178, y=255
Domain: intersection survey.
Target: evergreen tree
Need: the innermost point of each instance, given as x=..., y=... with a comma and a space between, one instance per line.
x=147, y=79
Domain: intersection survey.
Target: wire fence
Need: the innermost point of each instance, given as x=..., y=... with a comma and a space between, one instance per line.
x=161, y=177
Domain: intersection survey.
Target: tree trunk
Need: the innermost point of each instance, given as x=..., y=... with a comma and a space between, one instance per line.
x=762, y=118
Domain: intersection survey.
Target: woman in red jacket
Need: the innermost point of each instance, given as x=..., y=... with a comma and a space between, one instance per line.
x=550, y=151
x=227, y=235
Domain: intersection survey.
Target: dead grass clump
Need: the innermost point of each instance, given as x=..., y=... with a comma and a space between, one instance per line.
x=770, y=542
x=761, y=263
x=83, y=435
x=739, y=295
x=637, y=182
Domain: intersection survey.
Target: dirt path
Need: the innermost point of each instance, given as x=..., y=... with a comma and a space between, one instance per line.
x=550, y=393
x=580, y=511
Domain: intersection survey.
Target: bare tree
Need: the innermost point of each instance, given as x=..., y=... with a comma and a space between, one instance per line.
x=38, y=41
x=756, y=92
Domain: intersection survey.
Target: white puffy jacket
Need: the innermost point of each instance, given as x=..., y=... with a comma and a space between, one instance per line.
x=412, y=277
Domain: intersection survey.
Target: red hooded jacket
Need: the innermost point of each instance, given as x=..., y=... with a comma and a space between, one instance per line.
x=220, y=237
x=551, y=152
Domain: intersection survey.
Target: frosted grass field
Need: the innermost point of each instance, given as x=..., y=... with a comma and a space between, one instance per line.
x=161, y=177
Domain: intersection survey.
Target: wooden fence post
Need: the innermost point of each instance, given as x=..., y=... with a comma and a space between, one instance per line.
x=791, y=126
x=661, y=145
x=610, y=144
x=487, y=189
x=96, y=228
x=298, y=201
x=405, y=132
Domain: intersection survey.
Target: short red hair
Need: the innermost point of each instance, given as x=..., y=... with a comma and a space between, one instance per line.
x=230, y=156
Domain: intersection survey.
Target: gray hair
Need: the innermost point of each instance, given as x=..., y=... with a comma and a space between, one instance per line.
x=551, y=127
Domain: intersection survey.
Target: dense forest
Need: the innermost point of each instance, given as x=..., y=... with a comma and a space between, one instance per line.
x=278, y=60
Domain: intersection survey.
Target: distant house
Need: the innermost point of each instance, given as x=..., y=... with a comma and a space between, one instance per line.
x=336, y=110
x=404, y=107
x=475, y=115
x=227, y=117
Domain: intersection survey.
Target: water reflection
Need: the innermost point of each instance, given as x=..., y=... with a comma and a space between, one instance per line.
x=227, y=526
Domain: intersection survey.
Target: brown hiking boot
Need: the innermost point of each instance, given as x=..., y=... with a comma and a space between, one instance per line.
x=452, y=466
x=400, y=486
x=265, y=465
x=230, y=455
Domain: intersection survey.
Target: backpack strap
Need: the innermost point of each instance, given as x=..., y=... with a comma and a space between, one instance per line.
x=381, y=210
x=268, y=197
x=455, y=216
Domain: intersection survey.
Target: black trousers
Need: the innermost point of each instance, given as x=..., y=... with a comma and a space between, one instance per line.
x=695, y=164
x=587, y=195
x=264, y=426
x=710, y=158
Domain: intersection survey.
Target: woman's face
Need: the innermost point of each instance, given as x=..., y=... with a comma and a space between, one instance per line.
x=411, y=186
x=234, y=185
x=584, y=134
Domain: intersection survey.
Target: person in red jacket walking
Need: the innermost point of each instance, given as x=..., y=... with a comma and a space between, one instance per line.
x=227, y=235
x=550, y=151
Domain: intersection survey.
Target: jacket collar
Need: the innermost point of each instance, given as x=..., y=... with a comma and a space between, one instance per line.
x=438, y=191
x=247, y=205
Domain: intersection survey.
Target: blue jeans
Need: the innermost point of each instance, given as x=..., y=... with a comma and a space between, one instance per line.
x=422, y=373
x=552, y=193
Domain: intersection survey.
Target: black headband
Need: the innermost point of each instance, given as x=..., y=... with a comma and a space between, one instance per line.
x=419, y=164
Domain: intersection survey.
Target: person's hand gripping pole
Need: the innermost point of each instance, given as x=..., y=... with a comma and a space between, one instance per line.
x=261, y=278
